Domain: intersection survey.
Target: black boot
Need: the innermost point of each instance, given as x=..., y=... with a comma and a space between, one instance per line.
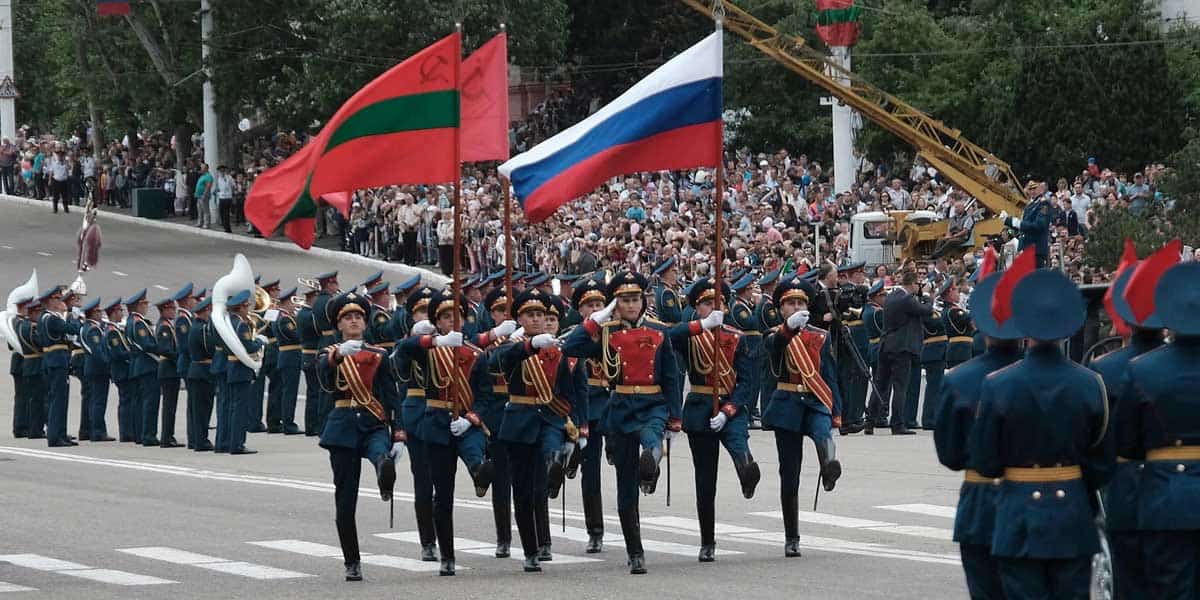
x=706, y=514
x=502, y=511
x=708, y=552
x=385, y=473
x=831, y=469
x=791, y=525
x=648, y=470
x=447, y=569
x=631, y=529
x=544, y=554
x=425, y=530
x=502, y=549
x=354, y=571
x=531, y=565
x=593, y=517
x=429, y=553
x=748, y=473
x=482, y=475
x=348, y=538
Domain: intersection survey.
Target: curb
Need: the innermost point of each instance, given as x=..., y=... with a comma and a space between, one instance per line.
x=427, y=276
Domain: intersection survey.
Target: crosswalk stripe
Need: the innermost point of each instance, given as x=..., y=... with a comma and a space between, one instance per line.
x=576, y=534
x=693, y=525
x=933, y=510
x=864, y=524
x=62, y=567
x=12, y=587
x=776, y=538
x=212, y=563
x=479, y=548
x=326, y=551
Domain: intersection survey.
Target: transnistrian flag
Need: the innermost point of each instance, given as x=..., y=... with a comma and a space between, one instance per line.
x=400, y=128
x=112, y=8
x=485, y=102
x=837, y=22
x=669, y=120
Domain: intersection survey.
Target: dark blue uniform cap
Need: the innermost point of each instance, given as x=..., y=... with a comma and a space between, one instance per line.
x=1047, y=306
x=114, y=305
x=1122, y=306
x=742, y=283
x=769, y=277
x=854, y=266
x=1177, y=298
x=663, y=266
x=565, y=278
x=496, y=299
x=530, y=299
x=628, y=282
x=203, y=304
x=419, y=300
x=183, y=292
x=537, y=279
x=407, y=285
x=202, y=292
x=810, y=275
x=288, y=293
x=346, y=303
x=137, y=296
x=270, y=284
x=876, y=288
x=587, y=290
x=58, y=289
x=327, y=276
x=497, y=276
x=736, y=274
x=238, y=299
x=164, y=301
x=980, y=305
x=380, y=288
x=373, y=279
x=703, y=289
x=90, y=306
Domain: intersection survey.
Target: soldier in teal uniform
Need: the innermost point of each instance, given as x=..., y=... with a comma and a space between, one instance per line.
x=1158, y=421
x=220, y=376
x=497, y=304
x=716, y=410
x=31, y=369
x=933, y=362
x=667, y=305
x=872, y=316
x=412, y=408
x=290, y=361
x=455, y=382
x=539, y=424
x=588, y=297
x=20, y=426
x=95, y=370
x=379, y=321
x=325, y=330
x=265, y=380
x=201, y=392
x=372, y=280
x=645, y=407
x=78, y=355
x=743, y=316
x=1123, y=494
x=960, y=331
x=143, y=368
x=401, y=322
x=976, y=514
x=310, y=338
x=566, y=294
x=169, y=345
x=1034, y=223
x=806, y=401
x=472, y=290
x=1044, y=534
x=360, y=425
x=117, y=347
x=852, y=381
x=240, y=377
x=768, y=316
x=53, y=331
x=185, y=301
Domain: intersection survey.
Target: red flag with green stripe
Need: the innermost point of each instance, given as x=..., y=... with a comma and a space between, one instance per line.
x=837, y=22
x=401, y=128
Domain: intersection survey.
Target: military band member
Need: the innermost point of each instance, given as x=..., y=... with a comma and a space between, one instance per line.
x=78, y=355
x=933, y=361
x=20, y=426
x=852, y=381
x=143, y=368
x=1044, y=536
x=358, y=424
x=201, y=389
x=588, y=297
x=95, y=370
x=290, y=361
x=32, y=371
x=323, y=322
x=743, y=316
x=53, y=330
x=716, y=411
x=768, y=316
x=1123, y=494
x=1034, y=223
x=240, y=377
x=379, y=321
x=454, y=376
x=806, y=401
x=117, y=347
x=645, y=407
x=310, y=338
x=168, y=345
x=960, y=346
x=1157, y=421
x=267, y=378
x=976, y=514
x=401, y=320
x=185, y=301
x=220, y=375
x=873, y=328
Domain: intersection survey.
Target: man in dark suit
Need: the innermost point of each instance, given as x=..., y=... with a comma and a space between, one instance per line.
x=900, y=350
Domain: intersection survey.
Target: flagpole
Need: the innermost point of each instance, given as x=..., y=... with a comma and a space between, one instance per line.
x=508, y=254
x=457, y=252
x=719, y=251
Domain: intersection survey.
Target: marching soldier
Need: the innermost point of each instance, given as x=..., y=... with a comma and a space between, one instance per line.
x=53, y=330
x=566, y=294
x=168, y=374
x=412, y=409
x=201, y=392
x=143, y=368
x=324, y=325
x=20, y=427
x=455, y=380
x=852, y=381
x=667, y=306
x=373, y=280
x=220, y=373
x=497, y=306
x=1044, y=536
x=117, y=347
x=289, y=362
x=806, y=401
x=744, y=317
x=933, y=361
x=1123, y=494
x=589, y=296
x=95, y=370
x=310, y=338
x=645, y=405
x=960, y=346
x=379, y=321
x=185, y=301
x=873, y=328
x=31, y=369
x=78, y=355
x=401, y=322
x=1157, y=421
x=976, y=514
x=266, y=380
x=716, y=410
x=239, y=377
x=358, y=425
x=768, y=316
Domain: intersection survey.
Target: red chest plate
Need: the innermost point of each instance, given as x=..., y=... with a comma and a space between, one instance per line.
x=637, y=349
x=367, y=363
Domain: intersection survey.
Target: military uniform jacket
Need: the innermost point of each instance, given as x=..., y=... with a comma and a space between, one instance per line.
x=236, y=371
x=743, y=317
x=958, y=404
x=347, y=427
x=52, y=336
x=1035, y=227
x=168, y=350
x=858, y=334
x=483, y=317
x=95, y=362
x=378, y=331
x=310, y=338
x=872, y=315
x=200, y=350
x=1042, y=412
x=1122, y=495
x=321, y=321
x=933, y=347
x=456, y=383
x=768, y=315
x=667, y=305
x=1159, y=419
x=287, y=335
x=220, y=364
x=960, y=332
x=143, y=346
x=732, y=369
x=543, y=375
x=801, y=358
x=117, y=350
x=569, y=320
x=183, y=330
x=31, y=348
x=270, y=356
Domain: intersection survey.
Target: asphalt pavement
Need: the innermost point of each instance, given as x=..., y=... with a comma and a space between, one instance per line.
x=116, y=520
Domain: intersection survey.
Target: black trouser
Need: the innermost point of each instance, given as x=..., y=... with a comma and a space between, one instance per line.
x=528, y=473
x=626, y=448
x=446, y=258
x=312, y=397
x=35, y=404
x=705, y=450
x=411, y=256
x=170, y=402
x=223, y=206
x=894, y=371
x=58, y=193
x=347, y=466
x=274, y=400
x=200, y=401
x=418, y=460
x=6, y=178
x=443, y=464
x=589, y=467
x=851, y=384
x=39, y=185
x=501, y=491
x=20, y=407
x=85, y=400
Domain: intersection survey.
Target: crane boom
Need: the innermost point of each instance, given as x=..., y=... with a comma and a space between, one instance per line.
x=970, y=167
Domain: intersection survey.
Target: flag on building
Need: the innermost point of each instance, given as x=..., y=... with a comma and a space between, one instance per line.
x=400, y=128
x=484, y=94
x=669, y=120
x=112, y=8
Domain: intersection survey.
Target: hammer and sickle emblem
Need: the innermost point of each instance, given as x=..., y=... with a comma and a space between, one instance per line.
x=432, y=69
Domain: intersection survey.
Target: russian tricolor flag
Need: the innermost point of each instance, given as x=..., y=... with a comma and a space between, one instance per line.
x=669, y=120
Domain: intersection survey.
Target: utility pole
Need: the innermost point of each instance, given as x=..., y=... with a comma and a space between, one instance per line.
x=8, y=88
x=843, y=136
x=211, y=126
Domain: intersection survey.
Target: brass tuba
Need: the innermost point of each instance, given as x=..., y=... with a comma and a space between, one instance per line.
x=238, y=279
x=22, y=293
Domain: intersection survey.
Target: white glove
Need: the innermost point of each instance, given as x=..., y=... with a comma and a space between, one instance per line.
x=713, y=320
x=717, y=423
x=504, y=329
x=544, y=340
x=454, y=339
x=1004, y=215
x=77, y=312
x=423, y=328
x=73, y=338
x=262, y=339
x=349, y=347
x=1016, y=222
x=582, y=443
x=669, y=435
x=605, y=314
x=397, y=451
x=518, y=335
x=798, y=320
x=459, y=426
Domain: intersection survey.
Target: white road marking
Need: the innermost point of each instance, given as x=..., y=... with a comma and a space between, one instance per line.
x=12, y=587
x=212, y=563
x=479, y=548
x=576, y=534
x=161, y=287
x=6, y=247
x=864, y=524
x=933, y=510
x=40, y=253
x=776, y=538
x=693, y=525
x=120, y=274
x=62, y=567
x=325, y=551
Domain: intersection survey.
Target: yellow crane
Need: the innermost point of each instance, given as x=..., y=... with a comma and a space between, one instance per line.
x=968, y=166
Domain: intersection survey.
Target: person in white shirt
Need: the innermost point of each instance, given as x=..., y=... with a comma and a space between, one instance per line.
x=224, y=187
x=1080, y=203
x=58, y=171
